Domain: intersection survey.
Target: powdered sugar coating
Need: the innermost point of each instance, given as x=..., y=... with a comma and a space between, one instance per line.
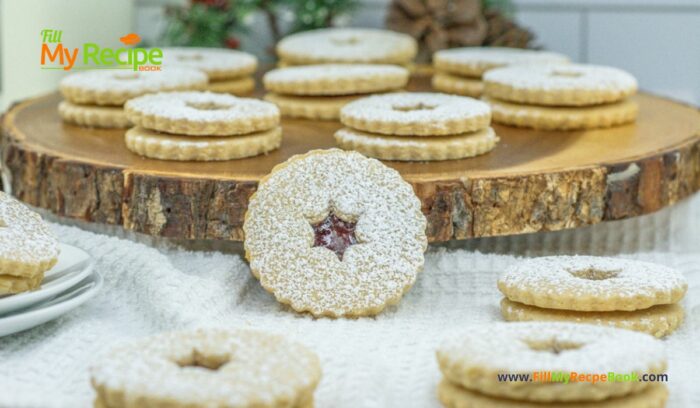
x=246, y=368
x=217, y=63
x=416, y=114
x=114, y=87
x=362, y=45
x=567, y=85
x=27, y=245
x=390, y=231
x=335, y=79
x=589, y=283
x=475, y=61
x=202, y=113
x=473, y=359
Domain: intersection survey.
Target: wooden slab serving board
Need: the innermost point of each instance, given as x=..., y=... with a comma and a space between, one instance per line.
x=532, y=181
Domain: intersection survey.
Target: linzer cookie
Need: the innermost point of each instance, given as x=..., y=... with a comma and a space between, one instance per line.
x=320, y=91
x=310, y=107
x=563, y=117
x=207, y=368
x=473, y=62
x=27, y=247
x=587, y=283
x=561, y=97
x=417, y=127
x=659, y=321
x=453, y=84
x=460, y=70
x=416, y=114
x=559, y=85
x=93, y=115
x=202, y=114
x=628, y=294
x=417, y=148
x=334, y=233
x=229, y=71
x=201, y=126
x=335, y=79
x=347, y=45
x=165, y=146
x=475, y=359
x=115, y=87
x=237, y=86
x=454, y=396
x=218, y=64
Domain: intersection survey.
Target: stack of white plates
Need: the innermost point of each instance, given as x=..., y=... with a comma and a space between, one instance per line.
x=70, y=283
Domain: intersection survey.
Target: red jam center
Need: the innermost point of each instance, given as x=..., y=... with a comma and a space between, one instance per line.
x=334, y=234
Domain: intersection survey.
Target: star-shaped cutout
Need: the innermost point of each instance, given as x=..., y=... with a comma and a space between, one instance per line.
x=334, y=234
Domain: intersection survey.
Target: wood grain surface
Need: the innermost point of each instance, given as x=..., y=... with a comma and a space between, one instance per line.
x=532, y=181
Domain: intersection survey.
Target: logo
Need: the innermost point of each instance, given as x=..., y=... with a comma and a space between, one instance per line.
x=55, y=55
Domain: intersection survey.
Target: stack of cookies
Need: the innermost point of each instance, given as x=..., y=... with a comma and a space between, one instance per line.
x=417, y=127
x=623, y=293
x=201, y=126
x=27, y=247
x=347, y=45
x=229, y=71
x=459, y=70
x=539, y=364
x=96, y=98
x=561, y=97
x=320, y=91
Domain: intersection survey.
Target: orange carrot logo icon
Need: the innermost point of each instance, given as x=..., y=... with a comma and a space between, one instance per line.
x=130, y=39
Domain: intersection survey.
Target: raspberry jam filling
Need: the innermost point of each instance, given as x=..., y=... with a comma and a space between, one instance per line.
x=334, y=234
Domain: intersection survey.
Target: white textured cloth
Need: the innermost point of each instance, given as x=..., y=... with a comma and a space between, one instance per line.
x=387, y=361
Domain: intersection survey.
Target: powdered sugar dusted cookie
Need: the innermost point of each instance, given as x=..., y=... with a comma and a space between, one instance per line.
x=561, y=85
x=93, y=115
x=27, y=247
x=417, y=148
x=416, y=114
x=475, y=61
x=218, y=64
x=335, y=234
x=453, y=84
x=588, y=283
x=335, y=79
x=164, y=146
x=474, y=359
x=454, y=396
x=237, y=86
x=658, y=321
x=202, y=113
x=347, y=45
x=563, y=117
x=207, y=368
x=310, y=107
x=115, y=87
x=10, y=284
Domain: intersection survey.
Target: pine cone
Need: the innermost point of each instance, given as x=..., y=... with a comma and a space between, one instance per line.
x=438, y=24
x=503, y=32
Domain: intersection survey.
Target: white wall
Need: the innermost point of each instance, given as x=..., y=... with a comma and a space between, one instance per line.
x=21, y=21
x=657, y=40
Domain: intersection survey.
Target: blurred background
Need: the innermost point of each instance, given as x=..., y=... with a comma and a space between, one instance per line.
x=656, y=40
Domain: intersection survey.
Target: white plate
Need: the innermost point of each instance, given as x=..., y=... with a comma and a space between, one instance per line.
x=73, y=265
x=44, y=312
